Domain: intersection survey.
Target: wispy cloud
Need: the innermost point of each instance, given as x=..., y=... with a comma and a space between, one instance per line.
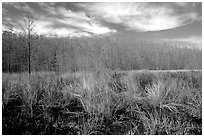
x=197, y=40
x=142, y=16
x=101, y=18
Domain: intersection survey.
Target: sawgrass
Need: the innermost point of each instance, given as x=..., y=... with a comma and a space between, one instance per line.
x=103, y=102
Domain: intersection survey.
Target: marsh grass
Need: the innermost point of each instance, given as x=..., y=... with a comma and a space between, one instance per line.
x=103, y=102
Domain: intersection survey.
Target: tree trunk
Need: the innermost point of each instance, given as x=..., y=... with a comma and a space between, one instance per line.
x=29, y=58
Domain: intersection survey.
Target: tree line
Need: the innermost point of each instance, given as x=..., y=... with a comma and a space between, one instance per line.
x=65, y=54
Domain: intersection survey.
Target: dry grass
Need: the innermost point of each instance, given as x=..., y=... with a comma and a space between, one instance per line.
x=144, y=102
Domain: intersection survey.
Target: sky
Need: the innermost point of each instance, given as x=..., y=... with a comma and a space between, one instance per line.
x=164, y=21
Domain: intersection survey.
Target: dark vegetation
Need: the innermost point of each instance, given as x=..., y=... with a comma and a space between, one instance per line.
x=103, y=102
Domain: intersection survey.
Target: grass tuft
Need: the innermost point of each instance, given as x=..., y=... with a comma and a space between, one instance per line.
x=103, y=103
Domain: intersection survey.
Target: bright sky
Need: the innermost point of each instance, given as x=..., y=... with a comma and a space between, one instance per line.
x=167, y=21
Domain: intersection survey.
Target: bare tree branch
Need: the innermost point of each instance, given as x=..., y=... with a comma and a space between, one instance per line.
x=28, y=35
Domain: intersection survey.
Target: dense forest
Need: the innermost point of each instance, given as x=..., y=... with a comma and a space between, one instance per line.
x=71, y=54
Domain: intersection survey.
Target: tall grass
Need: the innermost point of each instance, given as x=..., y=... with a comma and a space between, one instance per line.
x=103, y=102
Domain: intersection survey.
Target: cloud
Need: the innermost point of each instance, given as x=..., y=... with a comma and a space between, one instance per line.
x=78, y=21
x=56, y=18
x=197, y=40
x=143, y=16
x=193, y=39
x=91, y=27
x=182, y=4
x=101, y=18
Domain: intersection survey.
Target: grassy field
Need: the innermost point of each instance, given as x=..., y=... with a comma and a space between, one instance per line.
x=103, y=102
